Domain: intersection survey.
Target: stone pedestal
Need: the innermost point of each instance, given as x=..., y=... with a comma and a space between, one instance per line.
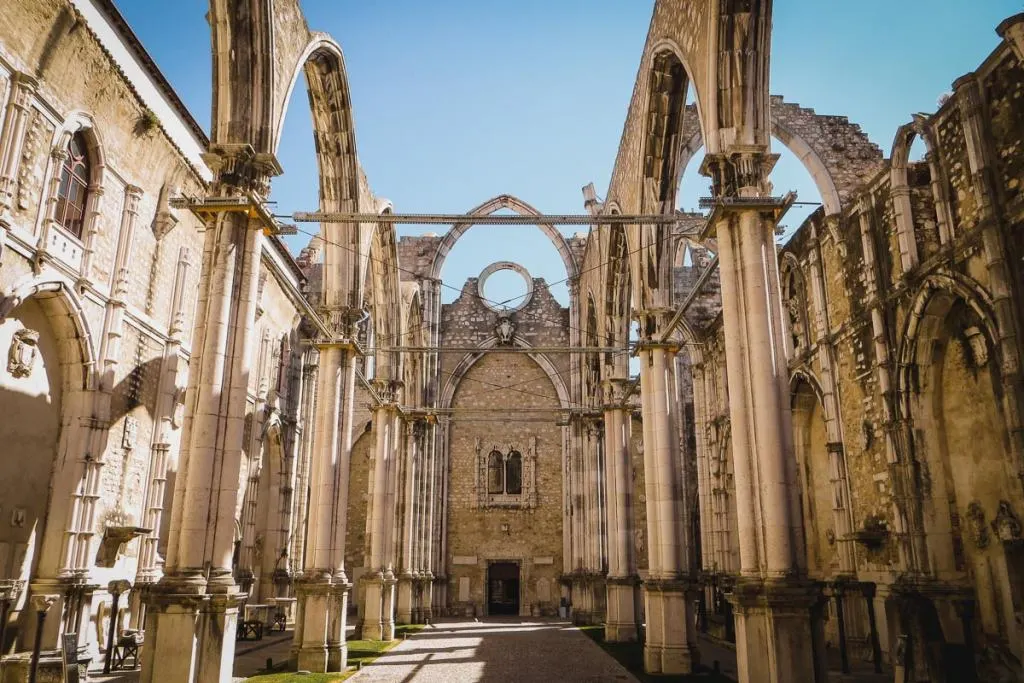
x=388, y=609
x=190, y=636
x=779, y=631
x=314, y=597
x=337, y=650
x=620, y=625
x=378, y=620
x=403, y=615
x=427, y=599
x=668, y=648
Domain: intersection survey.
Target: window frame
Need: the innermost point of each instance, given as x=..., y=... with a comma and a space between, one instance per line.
x=75, y=174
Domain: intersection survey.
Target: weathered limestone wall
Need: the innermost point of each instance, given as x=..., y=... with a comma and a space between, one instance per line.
x=475, y=533
x=904, y=347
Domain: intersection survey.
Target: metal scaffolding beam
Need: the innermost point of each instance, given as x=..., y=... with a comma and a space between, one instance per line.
x=489, y=219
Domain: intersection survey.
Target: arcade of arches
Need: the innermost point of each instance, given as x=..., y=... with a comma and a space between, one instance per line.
x=821, y=458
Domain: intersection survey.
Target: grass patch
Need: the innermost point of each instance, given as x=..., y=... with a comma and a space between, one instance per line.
x=293, y=677
x=360, y=652
x=631, y=656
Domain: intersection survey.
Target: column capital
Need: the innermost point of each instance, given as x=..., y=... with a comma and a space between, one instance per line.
x=389, y=391
x=614, y=392
x=741, y=171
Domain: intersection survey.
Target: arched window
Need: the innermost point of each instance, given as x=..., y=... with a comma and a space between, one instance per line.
x=74, y=186
x=495, y=473
x=514, y=473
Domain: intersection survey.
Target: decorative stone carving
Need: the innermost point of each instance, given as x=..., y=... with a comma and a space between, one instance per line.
x=18, y=516
x=504, y=329
x=22, y=355
x=976, y=524
x=131, y=430
x=1006, y=524
x=978, y=346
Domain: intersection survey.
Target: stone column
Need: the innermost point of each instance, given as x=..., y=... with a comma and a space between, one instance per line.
x=378, y=620
x=407, y=577
x=773, y=607
x=620, y=623
x=192, y=612
x=670, y=644
x=430, y=515
x=322, y=589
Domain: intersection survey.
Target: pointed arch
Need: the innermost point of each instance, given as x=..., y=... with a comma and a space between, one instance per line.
x=67, y=317
x=491, y=206
x=470, y=359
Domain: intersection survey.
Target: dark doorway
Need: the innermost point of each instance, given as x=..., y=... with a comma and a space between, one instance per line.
x=503, y=588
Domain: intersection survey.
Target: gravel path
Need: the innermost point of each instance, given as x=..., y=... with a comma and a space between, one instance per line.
x=496, y=651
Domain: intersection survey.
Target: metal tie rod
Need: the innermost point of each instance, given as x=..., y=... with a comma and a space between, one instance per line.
x=485, y=219
x=499, y=349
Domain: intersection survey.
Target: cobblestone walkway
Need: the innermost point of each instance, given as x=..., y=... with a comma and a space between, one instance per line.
x=496, y=651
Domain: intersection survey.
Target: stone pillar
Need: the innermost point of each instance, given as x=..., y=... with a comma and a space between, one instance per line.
x=379, y=601
x=620, y=623
x=322, y=589
x=407, y=578
x=192, y=612
x=670, y=643
x=775, y=640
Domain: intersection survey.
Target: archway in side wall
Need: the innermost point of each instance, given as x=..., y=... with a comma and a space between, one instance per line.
x=45, y=371
x=273, y=510
x=824, y=158
x=811, y=445
x=505, y=464
x=963, y=447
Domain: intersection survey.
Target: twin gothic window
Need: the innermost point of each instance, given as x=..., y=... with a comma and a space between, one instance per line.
x=73, y=190
x=505, y=473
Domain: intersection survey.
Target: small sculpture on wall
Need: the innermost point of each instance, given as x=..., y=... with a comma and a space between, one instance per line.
x=1006, y=524
x=131, y=430
x=976, y=524
x=504, y=329
x=18, y=516
x=22, y=355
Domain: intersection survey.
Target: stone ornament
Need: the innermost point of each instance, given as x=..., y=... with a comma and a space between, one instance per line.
x=976, y=525
x=131, y=430
x=504, y=329
x=21, y=356
x=1006, y=524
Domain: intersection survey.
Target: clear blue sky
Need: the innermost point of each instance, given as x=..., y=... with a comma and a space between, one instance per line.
x=457, y=101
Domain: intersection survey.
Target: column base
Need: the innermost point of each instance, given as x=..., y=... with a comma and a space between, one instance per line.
x=379, y=601
x=778, y=633
x=190, y=635
x=620, y=625
x=670, y=643
x=403, y=614
x=310, y=644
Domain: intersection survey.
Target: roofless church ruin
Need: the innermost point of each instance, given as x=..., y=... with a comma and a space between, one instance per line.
x=808, y=454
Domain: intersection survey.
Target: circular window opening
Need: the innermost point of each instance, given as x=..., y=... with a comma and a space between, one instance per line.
x=505, y=286
x=505, y=289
